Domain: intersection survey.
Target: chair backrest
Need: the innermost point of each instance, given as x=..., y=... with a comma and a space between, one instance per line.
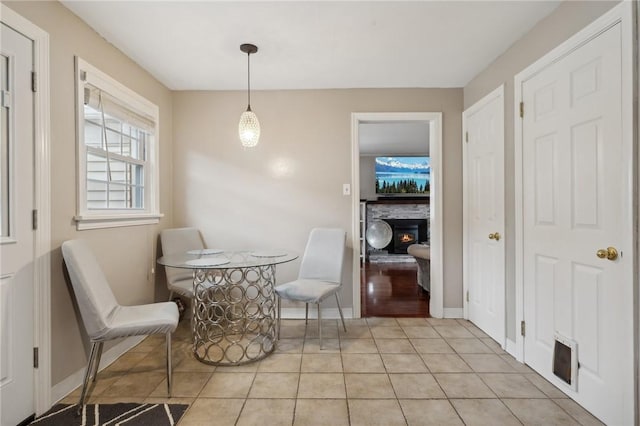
x=93, y=293
x=323, y=257
x=179, y=240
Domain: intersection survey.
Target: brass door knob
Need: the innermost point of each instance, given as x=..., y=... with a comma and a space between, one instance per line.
x=495, y=236
x=609, y=253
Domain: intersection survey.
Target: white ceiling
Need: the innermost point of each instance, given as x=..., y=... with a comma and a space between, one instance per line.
x=394, y=138
x=312, y=44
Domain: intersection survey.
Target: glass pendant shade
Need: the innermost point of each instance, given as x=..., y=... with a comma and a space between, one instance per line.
x=249, y=129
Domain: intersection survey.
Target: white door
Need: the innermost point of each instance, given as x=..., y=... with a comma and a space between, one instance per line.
x=17, y=237
x=577, y=183
x=484, y=254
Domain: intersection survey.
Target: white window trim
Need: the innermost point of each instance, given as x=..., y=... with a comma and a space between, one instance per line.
x=95, y=219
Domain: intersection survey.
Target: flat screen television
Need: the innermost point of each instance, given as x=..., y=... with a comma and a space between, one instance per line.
x=402, y=175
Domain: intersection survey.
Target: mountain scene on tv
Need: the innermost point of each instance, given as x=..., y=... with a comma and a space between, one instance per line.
x=402, y=175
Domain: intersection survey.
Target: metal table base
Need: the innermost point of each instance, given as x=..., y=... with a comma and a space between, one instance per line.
x=234, y=314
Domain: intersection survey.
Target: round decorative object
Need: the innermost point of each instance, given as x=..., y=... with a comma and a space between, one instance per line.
x=379, y=234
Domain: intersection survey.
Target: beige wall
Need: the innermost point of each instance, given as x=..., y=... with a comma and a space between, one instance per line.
x=368, y=177
x=274, y=194
x=126, y=254
x=566, y=20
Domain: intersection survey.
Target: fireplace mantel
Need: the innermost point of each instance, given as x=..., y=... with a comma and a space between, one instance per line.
x=398, y=200
x=407, y=210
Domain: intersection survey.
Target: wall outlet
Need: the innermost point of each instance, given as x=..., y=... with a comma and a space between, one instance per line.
x=346, y=189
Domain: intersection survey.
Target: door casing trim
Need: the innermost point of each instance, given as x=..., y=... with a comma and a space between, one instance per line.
x=436, y=304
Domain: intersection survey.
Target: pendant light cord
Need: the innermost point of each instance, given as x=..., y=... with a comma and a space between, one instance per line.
x=248, y=82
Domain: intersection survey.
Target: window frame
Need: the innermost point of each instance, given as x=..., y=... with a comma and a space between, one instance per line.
x=87, y=218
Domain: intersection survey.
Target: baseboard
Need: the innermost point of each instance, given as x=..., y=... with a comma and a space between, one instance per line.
x=511, y=348
x=329, y=313
x=68, y=385
x=453, y=313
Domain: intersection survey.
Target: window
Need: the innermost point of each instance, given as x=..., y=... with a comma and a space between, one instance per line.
x=117, y=153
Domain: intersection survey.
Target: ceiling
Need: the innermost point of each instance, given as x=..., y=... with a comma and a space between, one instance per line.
x=312, y=44
x=394, y=138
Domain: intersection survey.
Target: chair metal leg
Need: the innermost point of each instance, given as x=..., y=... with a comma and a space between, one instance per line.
x=320, y=326
x=85, y=382
x=340, y=310
x=306, y=313
x=169, y=363
x=96, y=365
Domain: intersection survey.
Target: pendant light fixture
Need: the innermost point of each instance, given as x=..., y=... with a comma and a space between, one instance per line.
x=249, y=126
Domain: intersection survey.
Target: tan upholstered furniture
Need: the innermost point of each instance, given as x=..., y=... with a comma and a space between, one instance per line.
x=422, y=253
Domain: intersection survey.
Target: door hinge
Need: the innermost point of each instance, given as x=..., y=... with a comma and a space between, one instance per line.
x=522, y=328
x=467, y=296
x=521, y=109
x=6, y=99
x=466, y=137
x=34, y=81
x=35, y=357
x=34, y=219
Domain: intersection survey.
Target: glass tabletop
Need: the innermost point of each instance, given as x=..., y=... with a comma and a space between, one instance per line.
x=225, y=259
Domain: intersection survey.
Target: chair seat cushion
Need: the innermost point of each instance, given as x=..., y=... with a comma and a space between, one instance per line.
x=154, y=318
x=308, y=291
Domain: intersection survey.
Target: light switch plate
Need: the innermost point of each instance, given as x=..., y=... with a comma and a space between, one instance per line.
x=346, y=189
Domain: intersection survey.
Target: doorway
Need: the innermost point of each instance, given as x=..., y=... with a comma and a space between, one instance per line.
x=386, y=273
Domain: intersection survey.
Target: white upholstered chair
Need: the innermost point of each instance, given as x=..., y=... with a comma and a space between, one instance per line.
x=320, y=274
x=174, y=241
x=104, y=319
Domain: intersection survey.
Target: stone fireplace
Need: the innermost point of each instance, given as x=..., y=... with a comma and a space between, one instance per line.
x=405, y=233
x=408, y=221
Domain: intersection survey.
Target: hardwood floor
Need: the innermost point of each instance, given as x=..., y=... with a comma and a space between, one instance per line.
x=391, y=290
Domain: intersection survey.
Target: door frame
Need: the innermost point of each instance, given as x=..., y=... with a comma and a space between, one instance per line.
x=436, y=304
x=621, y=13
x=496, y=93
x=42, y=203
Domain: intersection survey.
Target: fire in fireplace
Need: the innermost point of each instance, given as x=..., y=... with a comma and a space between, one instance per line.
x=405, y=233
x=407, y=238
x=404, y=236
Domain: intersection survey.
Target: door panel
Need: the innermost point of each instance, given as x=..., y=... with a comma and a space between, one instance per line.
x=484, y=215
x=545, y=180
x=575, y=201
x=17, y=238
x=586, y=178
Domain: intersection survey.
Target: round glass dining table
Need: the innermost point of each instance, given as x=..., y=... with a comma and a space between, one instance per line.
x=234, y=304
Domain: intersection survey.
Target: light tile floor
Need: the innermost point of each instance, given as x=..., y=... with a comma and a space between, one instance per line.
x=383, y=371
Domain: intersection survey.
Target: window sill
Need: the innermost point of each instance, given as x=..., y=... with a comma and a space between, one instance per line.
x=115, y=221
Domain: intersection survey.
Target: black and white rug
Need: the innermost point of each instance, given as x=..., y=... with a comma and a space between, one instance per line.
x=125, y=414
